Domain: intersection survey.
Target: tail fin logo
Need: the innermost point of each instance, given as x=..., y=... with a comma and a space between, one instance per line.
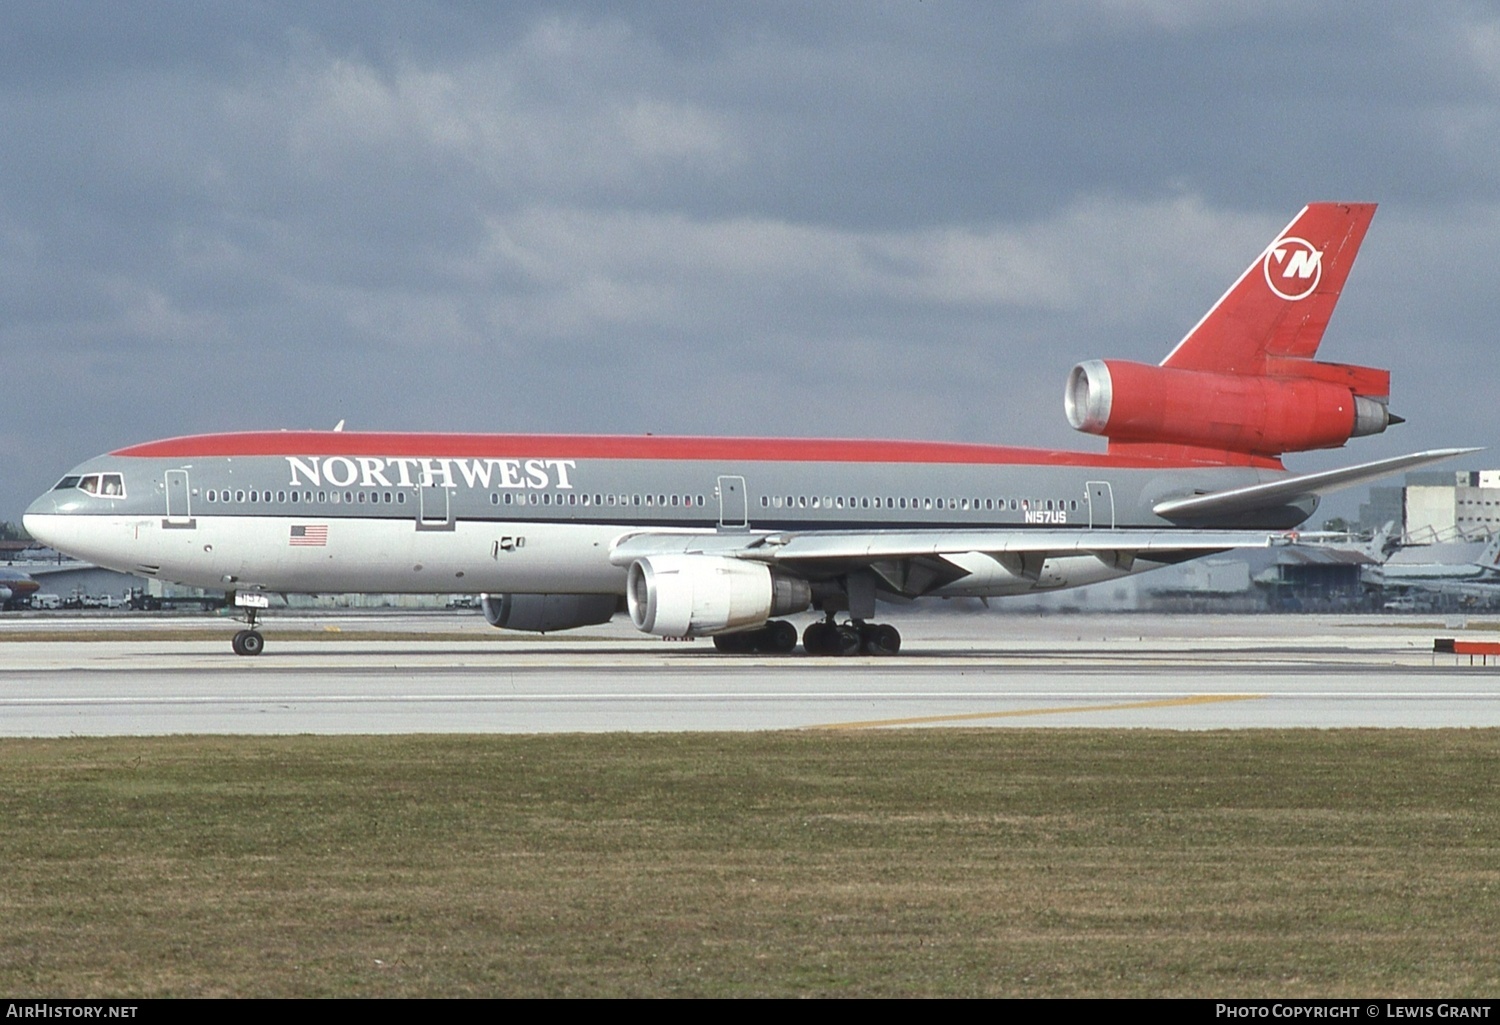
x=1293, y=268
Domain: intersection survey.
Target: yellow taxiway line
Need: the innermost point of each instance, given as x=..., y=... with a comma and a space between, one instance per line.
x=1196, y=699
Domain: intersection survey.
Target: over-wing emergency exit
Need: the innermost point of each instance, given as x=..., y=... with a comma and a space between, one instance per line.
x=724, y=537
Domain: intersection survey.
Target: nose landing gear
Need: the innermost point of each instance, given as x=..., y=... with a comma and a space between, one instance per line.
x=249, y=642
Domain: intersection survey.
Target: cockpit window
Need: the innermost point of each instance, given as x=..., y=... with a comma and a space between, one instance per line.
x=66, y=483
x=107, y=485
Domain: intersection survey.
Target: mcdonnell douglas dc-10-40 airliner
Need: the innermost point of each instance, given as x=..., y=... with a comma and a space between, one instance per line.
x=720, y=537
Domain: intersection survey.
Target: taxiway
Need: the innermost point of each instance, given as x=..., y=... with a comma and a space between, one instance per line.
x=420, y=673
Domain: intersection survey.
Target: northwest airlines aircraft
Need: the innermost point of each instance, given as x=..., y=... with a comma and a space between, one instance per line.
x=721, y=536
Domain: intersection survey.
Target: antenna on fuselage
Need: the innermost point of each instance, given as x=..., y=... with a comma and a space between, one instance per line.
x=339, y=426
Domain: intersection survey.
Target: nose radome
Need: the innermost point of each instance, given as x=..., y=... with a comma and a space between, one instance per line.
x=34, y=519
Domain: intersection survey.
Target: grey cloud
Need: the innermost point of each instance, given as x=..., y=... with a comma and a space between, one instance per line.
x=873, y=219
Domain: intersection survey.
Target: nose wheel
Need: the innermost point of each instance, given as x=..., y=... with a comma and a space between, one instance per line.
x=249, y=642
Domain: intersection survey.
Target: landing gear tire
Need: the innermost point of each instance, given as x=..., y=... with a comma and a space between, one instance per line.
x=818, y=639
x=780, y=637
x=248, y=642
x=846, y=639
x=732, y=644
x=854, y=638
x=828, y=638
x=775, y=638
x=879, y=639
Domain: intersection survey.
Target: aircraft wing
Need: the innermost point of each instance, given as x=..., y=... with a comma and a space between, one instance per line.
x=913, y=562
x=1290, y=489
x=813, y=545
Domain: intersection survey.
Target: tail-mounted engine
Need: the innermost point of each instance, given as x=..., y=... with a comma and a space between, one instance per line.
x=1296, y=405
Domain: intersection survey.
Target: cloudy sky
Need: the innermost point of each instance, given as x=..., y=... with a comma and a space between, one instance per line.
x=902, y=219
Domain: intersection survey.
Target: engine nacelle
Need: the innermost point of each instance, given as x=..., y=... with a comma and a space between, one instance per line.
x=1260, y=415
x=544, y=613
x=702, y=595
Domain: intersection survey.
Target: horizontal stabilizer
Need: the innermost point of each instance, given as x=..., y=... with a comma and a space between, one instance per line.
x=1282, y=492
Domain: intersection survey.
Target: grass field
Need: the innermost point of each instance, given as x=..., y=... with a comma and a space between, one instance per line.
x=985, y=862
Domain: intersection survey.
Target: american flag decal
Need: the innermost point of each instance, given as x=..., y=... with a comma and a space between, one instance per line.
x=311, y=536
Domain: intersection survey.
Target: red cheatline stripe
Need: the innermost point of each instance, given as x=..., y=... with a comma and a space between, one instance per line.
x=556, y=446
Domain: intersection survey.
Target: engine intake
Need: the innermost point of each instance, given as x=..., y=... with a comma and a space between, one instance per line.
x=702, y=595
x=1255, y=414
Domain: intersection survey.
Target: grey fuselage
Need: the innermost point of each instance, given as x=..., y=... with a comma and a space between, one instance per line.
x=326, y=512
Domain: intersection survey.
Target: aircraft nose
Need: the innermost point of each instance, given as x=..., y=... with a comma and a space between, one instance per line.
x=35, y=518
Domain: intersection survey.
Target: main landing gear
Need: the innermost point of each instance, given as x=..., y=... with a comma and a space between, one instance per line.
x=777, y=637
x=852, y=638
x=249, y=642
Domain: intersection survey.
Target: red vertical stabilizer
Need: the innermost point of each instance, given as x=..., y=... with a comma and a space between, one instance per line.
x=1281, y=305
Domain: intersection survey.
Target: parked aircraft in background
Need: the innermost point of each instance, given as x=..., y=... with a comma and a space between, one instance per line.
x=1460, y=567
x=16, y=588
x=723, y=536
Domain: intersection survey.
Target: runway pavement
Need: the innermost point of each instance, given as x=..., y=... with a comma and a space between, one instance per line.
x=428, y=673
